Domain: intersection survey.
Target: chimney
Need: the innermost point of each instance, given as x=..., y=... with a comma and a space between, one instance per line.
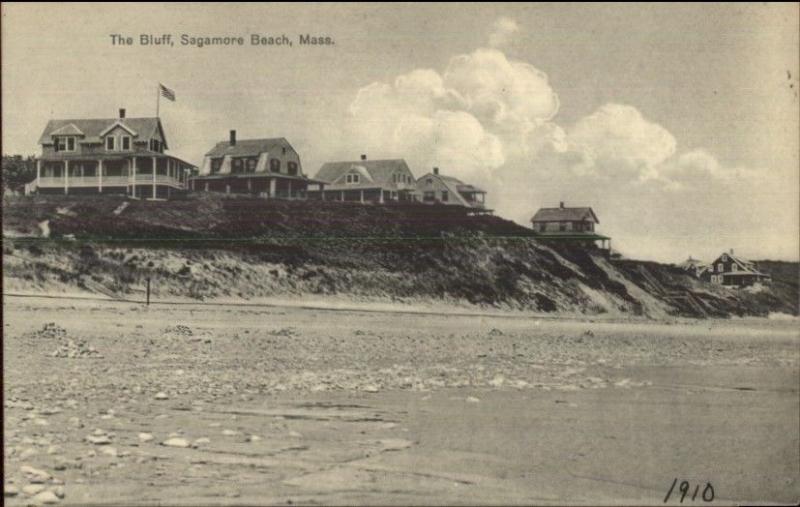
x=731, y=251
x=121, y=113
x=561, y=205
x=435, y=170
x=233, y=138
x=363, y=157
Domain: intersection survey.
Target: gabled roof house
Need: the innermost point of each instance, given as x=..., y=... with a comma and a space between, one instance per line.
x=108, y=155
x=375, y=181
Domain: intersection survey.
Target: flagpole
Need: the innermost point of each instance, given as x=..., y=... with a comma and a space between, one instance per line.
x=158, y=99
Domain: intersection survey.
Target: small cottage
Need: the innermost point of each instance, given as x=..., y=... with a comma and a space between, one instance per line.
x=569, y=224
x=733, y=271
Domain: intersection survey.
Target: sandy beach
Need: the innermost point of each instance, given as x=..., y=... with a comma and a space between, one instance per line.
x=117, y=403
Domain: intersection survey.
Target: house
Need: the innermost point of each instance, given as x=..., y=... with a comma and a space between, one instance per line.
x=264, y=167
x=374, y=181
x=114, y=155
x=435, y=188
x=693, y=266
x=732, y=271
x=572, y=225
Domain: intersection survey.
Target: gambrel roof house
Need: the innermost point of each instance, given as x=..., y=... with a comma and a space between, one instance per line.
x=435, y=188
x=109, y=155
x=733, y=271
x=367, y=180
x=268, y=167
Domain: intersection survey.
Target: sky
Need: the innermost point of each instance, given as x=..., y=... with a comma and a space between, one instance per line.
x=677, y=123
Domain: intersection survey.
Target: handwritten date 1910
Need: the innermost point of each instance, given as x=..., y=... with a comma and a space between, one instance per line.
x=684, y=487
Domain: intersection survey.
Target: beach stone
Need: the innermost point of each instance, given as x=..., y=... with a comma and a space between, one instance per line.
x=33, y=489
x=110, y=451
x=98, y=439
x=45, y=498
x=59, y=491
x=145, y=437
x=229, y=433
x=201, y=441
x=34, y=474
x=161, y=396
x=10, y=490
x=472, y=399
x=176, y=442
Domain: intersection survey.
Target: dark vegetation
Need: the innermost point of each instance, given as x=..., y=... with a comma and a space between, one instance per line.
x=206, y=246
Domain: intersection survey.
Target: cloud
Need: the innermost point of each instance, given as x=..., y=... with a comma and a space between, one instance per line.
x=503, y=31
x=491, y=120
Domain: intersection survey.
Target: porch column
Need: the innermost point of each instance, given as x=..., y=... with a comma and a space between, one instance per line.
x=155, y=161
x=380, y=200
x=133, y=170
x=249, y=185
x=38, y=170
x=66, y=177
x=290, y=189
x=273, y=183
x=342, y=195
x=322, y=192
x=361, y=196
x=100, y=175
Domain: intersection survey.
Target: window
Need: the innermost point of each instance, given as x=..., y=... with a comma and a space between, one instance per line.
x=110, y=143
x=251, y=164
x=429, y=196
x=275, y=165
x=352, y=178
x=216, y=164
x=445, y=196
x=293, y=168
x=429, y=181
x=65, y=144
x=720, y=267
x=562, y=227
x=238, y=165
x=734, y=267
x=126, y=143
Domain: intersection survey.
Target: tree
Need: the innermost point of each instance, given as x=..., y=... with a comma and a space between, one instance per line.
x=18, y=171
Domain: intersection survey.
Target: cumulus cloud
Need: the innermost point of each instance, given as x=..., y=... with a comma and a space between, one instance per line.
x=503, y=31
x=491, y=120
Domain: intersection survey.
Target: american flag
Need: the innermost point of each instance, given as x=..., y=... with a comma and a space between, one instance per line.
x=166, y=92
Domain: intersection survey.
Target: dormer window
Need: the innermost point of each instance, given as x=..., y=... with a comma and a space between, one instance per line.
x=126, y=143
x=111, y=143
x=65, y=144
x=275, y=165
x=353, y=178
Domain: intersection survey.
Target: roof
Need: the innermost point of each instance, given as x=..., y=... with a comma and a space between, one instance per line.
x=254, y=175
x=455, y=186
x=691, y=263
x=570, y=235
x=91, y=129
x=68, y=155
x=563, y=214
x=248, y=147
x=380, y=171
